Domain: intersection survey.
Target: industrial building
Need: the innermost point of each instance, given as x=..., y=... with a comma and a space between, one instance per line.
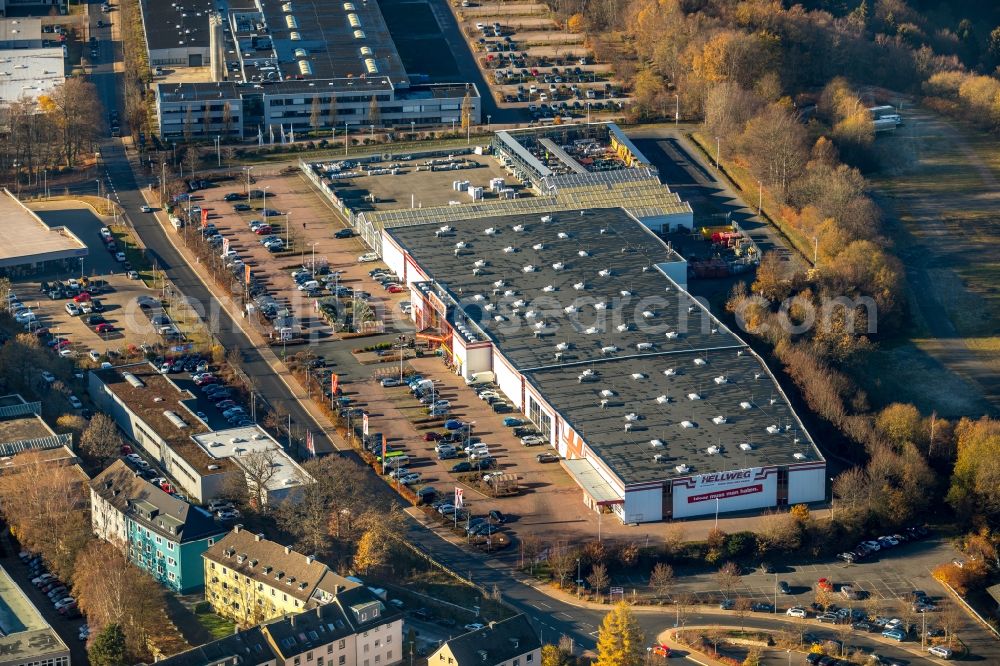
x=583, y=317
x=22, y=429
x=26, y=639
x=279, y=68
x=31, y=7
x=160, y=417
x=39, y=247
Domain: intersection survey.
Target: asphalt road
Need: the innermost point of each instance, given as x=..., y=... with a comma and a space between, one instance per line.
x=124, y=189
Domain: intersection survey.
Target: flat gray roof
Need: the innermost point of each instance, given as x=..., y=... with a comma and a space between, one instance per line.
x=581, y=325
x=178, y=24
x=612, y=323
x=745, y=406
x=24, y=634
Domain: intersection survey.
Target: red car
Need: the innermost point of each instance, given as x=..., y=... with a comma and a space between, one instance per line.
x=61, y=344
x=104, y=328
x=263, y=230
x=660, y=650
x=204, y=381
x=432, y=436
x=396, y=289
x=82, y=297
x=167, y=488
x=126, y=449
x=825, y=584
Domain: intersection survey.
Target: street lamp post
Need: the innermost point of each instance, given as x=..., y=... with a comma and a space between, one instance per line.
x=677, y=109
x=718, y=151
x=346, y=134
x=413, y=129
x=218, y=151
x=760, y=197
x=248, y=170
x=163, y=184
x=579, y=580
x=400, y=340
x=313, y=264
x=489, y=122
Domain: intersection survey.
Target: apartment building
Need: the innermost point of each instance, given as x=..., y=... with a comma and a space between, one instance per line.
x=354, y=629
x=251, y=579
x=510, y=642
x=161, y=534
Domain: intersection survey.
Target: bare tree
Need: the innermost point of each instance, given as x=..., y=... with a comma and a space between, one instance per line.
x=598, y=578
x=101, y=440
x=661, y=579
x=741, y=608
x=728, y=578
x=259, y=469
x=531, y=546
x=562, y=561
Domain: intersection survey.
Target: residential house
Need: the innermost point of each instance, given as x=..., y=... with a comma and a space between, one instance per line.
x=354, y=628
x=163, y=535
x=251, y=579
x=510, y=642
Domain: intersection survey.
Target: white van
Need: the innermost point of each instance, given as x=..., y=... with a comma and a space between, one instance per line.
x=484, y=377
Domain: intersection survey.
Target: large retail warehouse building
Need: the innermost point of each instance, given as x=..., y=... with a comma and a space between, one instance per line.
x=660, y=411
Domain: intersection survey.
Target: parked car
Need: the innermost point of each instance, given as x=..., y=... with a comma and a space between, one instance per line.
x=795, y=611
x=896, y=634
x=368, y=257
x=344, y=233
x=547, y=457
x=941, y=651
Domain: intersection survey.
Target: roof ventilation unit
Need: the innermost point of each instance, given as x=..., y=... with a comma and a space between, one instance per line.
x=799, y=456
x=518, y=227
x=721, y=379
x=670, y=372
x=713, y=450
x=371, y=66
x=558, y=266
x=548, y=288
x=699, y=361
x=301, y=53
x=687, y=424
x=490, y=231
x=563, y=235
x=509, y=250
x=461, y=245
x=366, y=51
x=291, y=22
x=583, y=253
x=719, y=420
x=570, y=309
x=662, y=399
x=672, y=335
x=631, y=416
x=607, y=393
x=286, y=7
x=745, y=405
x=359, y=34
x=354, y=20
x=133, y=380
x=658, y=457
x=638, y=375
x=546, y=219
x=623, y=327
x=348, y=6
x=682, y=469
x=773, y=430
x=604, y=272
x=600, y=305
x=528, y=269
x=591, y=331
x=656, y=443
x=746, y=447
x=562, y=346
x=693, y=396
x=579, y=286
x=176, y=420
x=644, y=346
x=648, y=314
x=479, y=263
x=626, y=292
x=610, y=349
x=305, y=67
x=499, y=284
x=538, y=247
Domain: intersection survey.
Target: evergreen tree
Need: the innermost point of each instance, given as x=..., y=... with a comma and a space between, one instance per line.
x=108, y=648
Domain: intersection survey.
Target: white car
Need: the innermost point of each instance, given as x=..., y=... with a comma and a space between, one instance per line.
x=132, y=275
x=120, y=256
x=145, y=209
x=367, y=258
x=72, y=310
x=48, y=376
x=475, y=626
x=75, y=401
x=941, y=651
x=796, y=612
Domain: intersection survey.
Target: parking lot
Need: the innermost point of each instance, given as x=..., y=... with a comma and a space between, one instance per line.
x=532, y=62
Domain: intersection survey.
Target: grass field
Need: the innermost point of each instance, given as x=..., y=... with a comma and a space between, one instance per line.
x=939, y=188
